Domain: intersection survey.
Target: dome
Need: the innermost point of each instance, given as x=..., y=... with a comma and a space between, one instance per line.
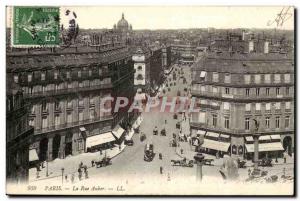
x=123, y=24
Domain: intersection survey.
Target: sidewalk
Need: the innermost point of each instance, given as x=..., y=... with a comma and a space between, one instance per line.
x=71, y=163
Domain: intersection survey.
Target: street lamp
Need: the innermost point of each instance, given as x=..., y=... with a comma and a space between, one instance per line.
x=62, y=175
x=256, y=144
x=199, y=159
x=47, y=173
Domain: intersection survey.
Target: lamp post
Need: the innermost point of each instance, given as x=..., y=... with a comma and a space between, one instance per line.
x=199, y=159
x=47, y=172
x=62, y=175
x=256, y=144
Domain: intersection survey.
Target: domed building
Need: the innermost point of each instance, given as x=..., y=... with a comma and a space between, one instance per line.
x=123, y=25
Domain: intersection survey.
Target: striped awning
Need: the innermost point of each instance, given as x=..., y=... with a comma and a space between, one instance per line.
x=212, y=134
x=275, y=137
x=99, y=139
x=264, y=137
x=216, y=145
x=273, y=146
x=224, y=136
x=249, y=138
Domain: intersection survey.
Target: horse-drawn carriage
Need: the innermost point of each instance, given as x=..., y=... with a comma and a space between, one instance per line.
x=155, y=131
x=149, y=152
x=104, y=162
x=183, y=163
x=163, y=132
x=265, y=162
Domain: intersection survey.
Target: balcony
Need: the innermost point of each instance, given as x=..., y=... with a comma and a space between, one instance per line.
x=72, y=125
x=67, y=91
x=235, y=97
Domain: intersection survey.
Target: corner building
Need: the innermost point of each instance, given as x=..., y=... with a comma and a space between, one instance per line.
x=233, y=90
x=64, y=88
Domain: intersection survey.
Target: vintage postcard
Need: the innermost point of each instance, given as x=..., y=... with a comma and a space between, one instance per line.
x=150, y=100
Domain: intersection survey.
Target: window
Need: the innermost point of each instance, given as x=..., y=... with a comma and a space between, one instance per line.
x=29, y=77
x=227, y=91
x=139, y=67
x=268, y=106
x=202, y=88
x=247, y=123
x=70, y=85
x=139, y=77
x=80, y=102
x=226, y=122
x=215, y=90
x=55, y=75
x=92, y=101
x=44, y=106
x=267, y=91
x=90, y=73
x=287, y=122
x=277, y=122
x=277, y=106
x=277, y=91
x=92, y=113
x=215, y=77
x=226, y=106
x=80, y=115
x=267, y=122
x=287, y=105
x=57, y=120
x=257, y=79
x=79, y=73
x=247, y=92
x=277, y=78
x=227, y=78
x=16, y=78
x=202, y=74
x=68, y=75
x=56, y=105
x=267, y=78
x=202, y=116
x=257, y=91
x=80, y=84
x=287, y=78
x=215, y=117
x=257, y=106
x=247, y=79
x=69, y=117
x=248, y=107
x=31, y=122
x=69, y=104
x=43, y=76
x=287, y=91
x=44, y=122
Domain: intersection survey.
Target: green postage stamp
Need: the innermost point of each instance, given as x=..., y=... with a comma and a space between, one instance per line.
x=35, y=26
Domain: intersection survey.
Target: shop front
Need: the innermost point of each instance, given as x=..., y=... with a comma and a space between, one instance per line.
x=270, y=146
x=100, y=142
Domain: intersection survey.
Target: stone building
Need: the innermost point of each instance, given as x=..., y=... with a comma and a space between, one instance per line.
x=18, y=134
x=64, y=88
x=234, y=91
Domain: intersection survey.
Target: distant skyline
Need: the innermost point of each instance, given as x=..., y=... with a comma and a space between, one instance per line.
x=180, y=17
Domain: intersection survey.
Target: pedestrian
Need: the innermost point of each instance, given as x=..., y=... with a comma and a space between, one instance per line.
x=80, y=164
x=79, y=174
x=93, y=163
x=181, y=151
x=161, y=170
x=86, y=174
x=160, y=156
x=100, y=151
x=249, y=172
x=72, y=178
x=66, y=178
x=165, y=121
x=119, y=147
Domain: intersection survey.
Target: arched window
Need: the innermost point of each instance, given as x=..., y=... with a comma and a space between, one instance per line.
x=139, y=67
x=140, y=77
x=233, y=149
x=240, y=150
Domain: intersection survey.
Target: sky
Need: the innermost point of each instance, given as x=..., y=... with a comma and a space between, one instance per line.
x=178, y=17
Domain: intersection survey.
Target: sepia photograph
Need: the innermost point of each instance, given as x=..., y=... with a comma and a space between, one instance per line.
x=150, y=100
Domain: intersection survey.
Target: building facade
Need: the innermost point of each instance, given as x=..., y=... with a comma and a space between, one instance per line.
x=234, y=91
x=65, y=87
x=18, y=134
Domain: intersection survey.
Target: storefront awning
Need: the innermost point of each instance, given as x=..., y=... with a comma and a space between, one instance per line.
x=216, y=145
x=200, y=132
x=82, y=129
x=33, y=156
x=99, y=139
x=212, y=134
x=275, y=137
x=273, y=146
x=224, y=136
x=249, y=138
x=264, y=137
x=118, y=131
